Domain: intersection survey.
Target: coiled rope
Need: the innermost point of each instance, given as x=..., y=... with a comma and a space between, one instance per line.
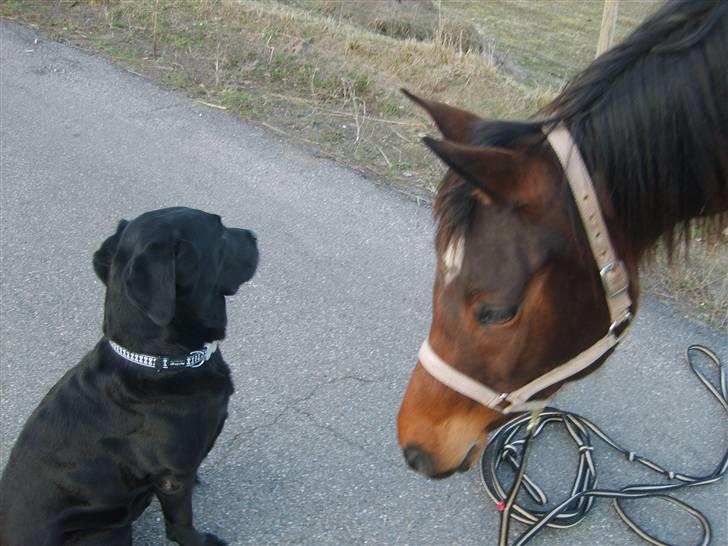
x=511, y=443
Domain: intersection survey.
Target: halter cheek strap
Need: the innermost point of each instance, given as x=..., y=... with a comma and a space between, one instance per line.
x=615, y=283
x=615, y=280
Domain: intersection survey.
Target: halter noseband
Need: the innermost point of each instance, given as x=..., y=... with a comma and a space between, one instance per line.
x=615, y=282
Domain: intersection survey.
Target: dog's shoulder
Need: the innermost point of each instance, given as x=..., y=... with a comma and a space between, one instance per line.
x=77, y=403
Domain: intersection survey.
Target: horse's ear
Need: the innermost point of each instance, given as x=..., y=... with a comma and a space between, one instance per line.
x=495, y=171
x=455, y=124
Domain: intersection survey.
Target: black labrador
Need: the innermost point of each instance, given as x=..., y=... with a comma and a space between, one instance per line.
x=136, y=417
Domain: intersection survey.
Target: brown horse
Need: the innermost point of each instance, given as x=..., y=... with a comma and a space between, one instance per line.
x=517, y=290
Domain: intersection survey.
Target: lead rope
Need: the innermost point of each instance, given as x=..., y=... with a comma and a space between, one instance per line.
x=509, y=445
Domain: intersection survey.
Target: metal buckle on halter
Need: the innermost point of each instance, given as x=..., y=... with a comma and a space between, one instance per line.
x=616, y=267
x=619, y=328
x=499, y=402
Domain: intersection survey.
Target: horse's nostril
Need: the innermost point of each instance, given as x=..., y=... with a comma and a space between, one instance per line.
x=418, y=459
x=410, y=455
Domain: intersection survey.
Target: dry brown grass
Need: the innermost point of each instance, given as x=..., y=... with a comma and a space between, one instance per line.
x=316, y=74
x=327, y=74
x=546, y=42
x=696, y=281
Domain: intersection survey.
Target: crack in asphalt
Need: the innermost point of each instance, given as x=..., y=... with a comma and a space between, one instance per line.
x=336, y=433
x=293, y=406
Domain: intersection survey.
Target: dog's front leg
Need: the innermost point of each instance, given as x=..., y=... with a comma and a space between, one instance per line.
x=175, y=496
x=109, y=537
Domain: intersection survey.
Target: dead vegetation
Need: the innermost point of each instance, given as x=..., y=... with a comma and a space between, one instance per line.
x=327, y=74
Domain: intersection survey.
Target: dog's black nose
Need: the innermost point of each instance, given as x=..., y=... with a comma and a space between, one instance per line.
x=418, y=459
x=251, y=235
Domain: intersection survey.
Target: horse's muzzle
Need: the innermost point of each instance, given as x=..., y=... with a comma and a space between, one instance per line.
x=420, y=461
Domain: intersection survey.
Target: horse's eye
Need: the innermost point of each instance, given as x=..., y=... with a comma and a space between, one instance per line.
x=491, y=315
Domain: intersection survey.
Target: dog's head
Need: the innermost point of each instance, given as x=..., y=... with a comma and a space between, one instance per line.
x=167, y=274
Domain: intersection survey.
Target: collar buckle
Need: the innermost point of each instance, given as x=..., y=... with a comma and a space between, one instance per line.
x=197, y=358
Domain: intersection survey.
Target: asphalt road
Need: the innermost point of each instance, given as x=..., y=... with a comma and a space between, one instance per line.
x=321, y=343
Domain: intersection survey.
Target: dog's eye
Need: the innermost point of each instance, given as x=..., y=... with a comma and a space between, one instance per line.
x=493, y=315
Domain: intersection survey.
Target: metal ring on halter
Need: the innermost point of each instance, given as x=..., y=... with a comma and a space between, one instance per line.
x=619, y=329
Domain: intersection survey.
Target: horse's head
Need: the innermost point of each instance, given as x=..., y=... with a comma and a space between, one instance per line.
x=516, y=292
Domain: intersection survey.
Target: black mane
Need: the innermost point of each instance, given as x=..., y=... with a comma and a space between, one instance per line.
x=651, y=119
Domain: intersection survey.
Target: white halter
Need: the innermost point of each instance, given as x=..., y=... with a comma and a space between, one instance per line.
x=615, y=282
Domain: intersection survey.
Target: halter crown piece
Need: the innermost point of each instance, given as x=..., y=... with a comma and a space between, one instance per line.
x=194, y=359
x=615, y=283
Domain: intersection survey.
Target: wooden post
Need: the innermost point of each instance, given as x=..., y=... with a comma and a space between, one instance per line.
x=609, y=22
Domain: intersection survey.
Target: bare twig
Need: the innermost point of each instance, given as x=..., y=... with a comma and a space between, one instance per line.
x=312, y=80
x=272, y=128
x=217, y=64
x=154, y=29
x=399, y=135
x=389, y=163
x=211, y=105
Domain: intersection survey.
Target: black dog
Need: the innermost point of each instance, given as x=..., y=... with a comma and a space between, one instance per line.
x=139, y=413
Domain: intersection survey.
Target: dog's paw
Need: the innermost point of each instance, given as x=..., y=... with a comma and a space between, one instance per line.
x=212, y=540
x=189, y=536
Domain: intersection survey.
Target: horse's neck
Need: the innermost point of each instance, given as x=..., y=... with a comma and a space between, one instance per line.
x=657, y=192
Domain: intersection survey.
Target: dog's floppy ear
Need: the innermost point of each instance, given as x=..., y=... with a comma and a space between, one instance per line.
x=150, y=281
x=103, y=256
x=187, y=265
x=154, y=275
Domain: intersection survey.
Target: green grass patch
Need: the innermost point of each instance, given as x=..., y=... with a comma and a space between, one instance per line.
x=180, y=80
x=9, y=8
x=240, y=101
x=391, y=109
x=120, y=53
